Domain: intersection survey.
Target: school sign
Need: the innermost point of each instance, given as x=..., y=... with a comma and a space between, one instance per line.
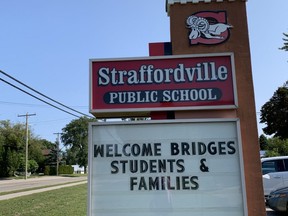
x=199, y=153
x=162, y=83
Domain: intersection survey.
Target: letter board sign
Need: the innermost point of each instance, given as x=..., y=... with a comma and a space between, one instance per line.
x=142, y=85
x=176, y=168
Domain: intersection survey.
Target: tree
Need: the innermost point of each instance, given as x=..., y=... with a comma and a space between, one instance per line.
x=70, y=157
x=285, y=46
x=35, y=150
x=38, y=149
x=33, y=166
x=13, y=161
x=276, y=147
x=274, y=113
x=52, y=156
x=75, y=137
x=12, y=148
x=263, y=142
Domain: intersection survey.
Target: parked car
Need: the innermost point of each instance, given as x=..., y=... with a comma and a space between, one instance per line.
x=278, y=200
x=274, y=173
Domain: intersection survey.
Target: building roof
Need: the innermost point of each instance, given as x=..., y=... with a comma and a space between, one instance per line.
x=170, y=2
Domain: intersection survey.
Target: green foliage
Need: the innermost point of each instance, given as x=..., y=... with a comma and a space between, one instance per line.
x=276, y=147
x=63, y=169
x=52, y=170
x=263, y=142
x=12, y=149
x=52, y=157
x=75, y=137
x=38, y=149
x=35, y=150
x=271, y=154
x=13, y=160
x=47, y=170
x=21, y=167
x=66, y=169
x=285, y=46
x=274, y=113
x=70, y=157
x=32, y=166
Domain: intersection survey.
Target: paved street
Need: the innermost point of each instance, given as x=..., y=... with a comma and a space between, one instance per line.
x=20, y=184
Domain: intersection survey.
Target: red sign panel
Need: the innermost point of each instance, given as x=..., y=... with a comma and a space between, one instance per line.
x=142, y=85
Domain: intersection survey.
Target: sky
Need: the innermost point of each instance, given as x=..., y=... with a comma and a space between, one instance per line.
x=47, y=45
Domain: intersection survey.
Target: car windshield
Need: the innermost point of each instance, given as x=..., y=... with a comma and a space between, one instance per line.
x=272, y=166
x=268, y=167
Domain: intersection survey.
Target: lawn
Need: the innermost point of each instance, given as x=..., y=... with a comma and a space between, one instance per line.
x=71, y=201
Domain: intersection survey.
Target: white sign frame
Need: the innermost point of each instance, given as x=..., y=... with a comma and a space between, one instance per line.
x=109, y=195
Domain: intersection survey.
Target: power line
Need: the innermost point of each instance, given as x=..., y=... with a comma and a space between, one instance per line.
x=35, y=105
x=45, y=96
x=38, y=98
x=23, y=104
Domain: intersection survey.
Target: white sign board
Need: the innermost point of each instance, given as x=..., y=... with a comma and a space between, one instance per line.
x=171, y=168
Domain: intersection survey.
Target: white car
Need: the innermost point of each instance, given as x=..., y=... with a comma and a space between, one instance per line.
x=274, y=173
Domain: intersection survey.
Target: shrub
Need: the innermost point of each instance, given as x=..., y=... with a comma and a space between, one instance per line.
x=66, y=169
x=63, y=169
x=47, y=170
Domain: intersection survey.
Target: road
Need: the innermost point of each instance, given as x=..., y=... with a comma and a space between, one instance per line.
x=22, y=184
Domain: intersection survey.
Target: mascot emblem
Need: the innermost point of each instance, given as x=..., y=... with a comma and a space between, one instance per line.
x=208, y=28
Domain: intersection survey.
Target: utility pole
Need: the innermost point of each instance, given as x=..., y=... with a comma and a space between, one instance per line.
x=26, y=148
x=57, y=154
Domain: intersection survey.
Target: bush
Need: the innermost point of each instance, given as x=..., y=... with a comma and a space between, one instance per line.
x=33, y=166
x=47, y=170
x=63, y=169
x=66, y=169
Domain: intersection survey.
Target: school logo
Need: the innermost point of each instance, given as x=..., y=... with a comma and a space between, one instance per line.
x=208, y=27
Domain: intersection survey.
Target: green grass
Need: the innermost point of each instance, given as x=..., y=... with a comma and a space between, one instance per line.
x=71, y=201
